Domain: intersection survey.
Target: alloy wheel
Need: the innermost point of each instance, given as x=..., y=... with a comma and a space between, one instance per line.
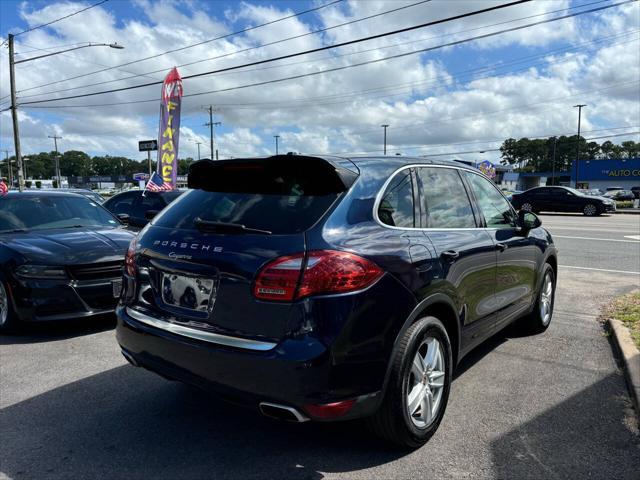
x=546, y=299
x=4, y=305
x=590, y=210
x=527, y=207
x=425, y=383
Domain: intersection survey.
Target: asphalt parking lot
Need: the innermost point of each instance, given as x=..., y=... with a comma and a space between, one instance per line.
x=547, y=406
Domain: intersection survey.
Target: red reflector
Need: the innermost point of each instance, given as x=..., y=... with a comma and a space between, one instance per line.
x=278, y=279
x=130, y=258
x=330, y=410
x=327, y=271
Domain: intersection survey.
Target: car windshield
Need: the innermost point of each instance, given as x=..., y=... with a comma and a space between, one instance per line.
x=49, y=211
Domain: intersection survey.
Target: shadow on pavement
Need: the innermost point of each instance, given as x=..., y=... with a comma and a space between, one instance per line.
x=59, y=330
x=578, y=438
x=127, y=423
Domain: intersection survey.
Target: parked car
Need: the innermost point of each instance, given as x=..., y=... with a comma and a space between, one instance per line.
x=594, y=192
x=562, y=199
x=620, y=195
x=610, y=189
x=325, y=288
x=135, y=209
x=61, y=257
x=636, y=191
x=90, y=194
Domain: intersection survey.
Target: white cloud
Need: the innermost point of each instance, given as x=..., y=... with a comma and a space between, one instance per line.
x=427, y=99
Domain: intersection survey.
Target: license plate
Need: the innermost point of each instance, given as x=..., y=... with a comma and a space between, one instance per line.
x=116, y=287
x=191, y=293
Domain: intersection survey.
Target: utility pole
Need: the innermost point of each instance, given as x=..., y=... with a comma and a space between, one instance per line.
x=276, y=137
x=198, y=144
x=55, y=143
x=385, y=126
x=579, y=107
x=211, y=124
x=14, y=114
x=553, y=162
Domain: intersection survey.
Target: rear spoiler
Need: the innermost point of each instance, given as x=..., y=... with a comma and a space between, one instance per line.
x=329, y=174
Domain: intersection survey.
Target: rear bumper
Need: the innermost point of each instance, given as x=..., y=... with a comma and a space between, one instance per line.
x=295, y=372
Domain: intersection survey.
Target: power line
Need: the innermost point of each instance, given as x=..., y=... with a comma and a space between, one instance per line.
x=238, y=32
x=314, y=100
x=319, y=49
x=61, y=18
x=295, y=77
x=304, y=61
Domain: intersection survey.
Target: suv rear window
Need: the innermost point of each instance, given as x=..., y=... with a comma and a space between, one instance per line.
x=283, y=197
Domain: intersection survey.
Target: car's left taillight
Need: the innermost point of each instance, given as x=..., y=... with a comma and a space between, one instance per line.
x=130, y=258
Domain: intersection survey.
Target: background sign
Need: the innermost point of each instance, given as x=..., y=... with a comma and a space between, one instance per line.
x=147, y=145
x=614, y=169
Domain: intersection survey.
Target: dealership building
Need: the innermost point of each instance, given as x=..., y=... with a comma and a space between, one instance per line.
x=622, y=173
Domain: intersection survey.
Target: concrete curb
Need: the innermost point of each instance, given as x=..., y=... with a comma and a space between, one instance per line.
x=628, y=212
x=630, y=357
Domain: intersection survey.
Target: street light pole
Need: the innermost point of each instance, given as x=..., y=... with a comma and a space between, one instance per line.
x=276, y=137
x=579, y=107
x=55, y=143
x=198, y=144
x=385, y=137
x=14, y=103
x=553, y=162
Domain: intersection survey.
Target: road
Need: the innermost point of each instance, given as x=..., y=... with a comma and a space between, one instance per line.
x=546, y=406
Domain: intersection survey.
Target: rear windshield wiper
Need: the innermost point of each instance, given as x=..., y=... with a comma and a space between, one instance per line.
x=208, y=225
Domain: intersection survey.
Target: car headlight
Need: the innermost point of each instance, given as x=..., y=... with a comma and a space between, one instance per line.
x=41, y=271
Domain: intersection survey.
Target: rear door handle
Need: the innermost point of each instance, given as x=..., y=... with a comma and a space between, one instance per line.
x=450, y=255
x=502, y=246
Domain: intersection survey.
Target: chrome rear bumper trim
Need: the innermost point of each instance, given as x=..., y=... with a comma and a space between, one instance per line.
x=236, y=342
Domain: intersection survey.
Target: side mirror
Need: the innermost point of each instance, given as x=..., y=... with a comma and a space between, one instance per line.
x=149, y=214
x=124, y=218
x=528, y=220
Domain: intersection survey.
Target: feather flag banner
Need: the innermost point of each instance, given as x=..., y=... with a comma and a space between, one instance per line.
x=169, y=130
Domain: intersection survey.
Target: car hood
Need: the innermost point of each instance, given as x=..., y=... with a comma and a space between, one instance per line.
x=69, y=246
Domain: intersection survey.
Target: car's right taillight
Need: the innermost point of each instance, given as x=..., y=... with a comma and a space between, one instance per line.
x=326, y=272
x=130, y=258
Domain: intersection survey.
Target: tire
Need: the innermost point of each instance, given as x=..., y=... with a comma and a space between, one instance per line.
x=392, y=421
x=540, y=318
x=591, y=210
x=7, y=315
x=527, y=207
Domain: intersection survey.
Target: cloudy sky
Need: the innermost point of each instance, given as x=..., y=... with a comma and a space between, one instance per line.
x=450, y=99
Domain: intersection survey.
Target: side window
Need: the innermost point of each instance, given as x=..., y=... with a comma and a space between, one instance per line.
x=445, y=203
x=150, y=201
x=396, y=207
x=494, y=207
x=121, y=204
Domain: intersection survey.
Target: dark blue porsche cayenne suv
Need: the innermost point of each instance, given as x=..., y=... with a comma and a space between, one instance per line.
x=325, y=288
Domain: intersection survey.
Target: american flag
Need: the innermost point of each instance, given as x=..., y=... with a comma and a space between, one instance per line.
x=3, y=188
x=157, y=184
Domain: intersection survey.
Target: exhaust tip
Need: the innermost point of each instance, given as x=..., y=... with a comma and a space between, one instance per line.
x=282, y=412
x=129, y=358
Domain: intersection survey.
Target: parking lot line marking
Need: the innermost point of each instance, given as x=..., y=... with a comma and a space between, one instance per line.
x=600, y=269
x=601, y=239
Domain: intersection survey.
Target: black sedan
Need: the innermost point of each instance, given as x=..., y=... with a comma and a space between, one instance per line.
x=61, y=257
x=562, y=199
x=136, y=210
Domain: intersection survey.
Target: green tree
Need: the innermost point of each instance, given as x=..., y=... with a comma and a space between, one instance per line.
x=75, y=163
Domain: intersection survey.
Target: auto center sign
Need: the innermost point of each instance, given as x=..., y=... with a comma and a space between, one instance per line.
x=118, y=179
x=620, y=169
